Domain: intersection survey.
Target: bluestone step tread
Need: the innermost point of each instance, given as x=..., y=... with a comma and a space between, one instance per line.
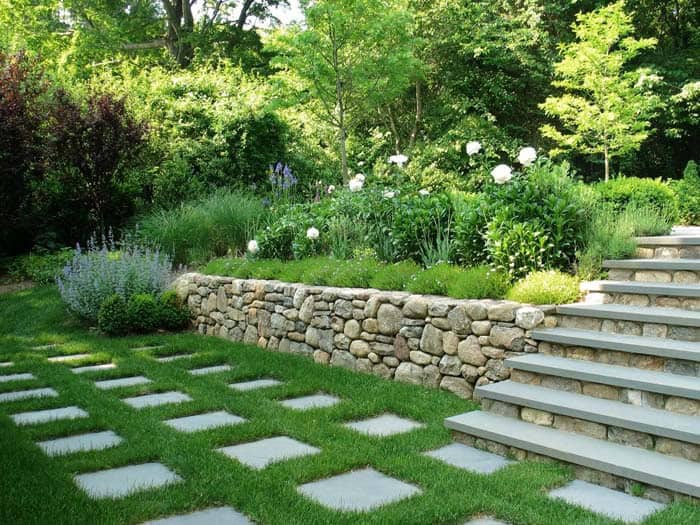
x=642, y=465
x=635, y=344
x=643, y=288
x=669, y=240
x=642, y=314
x=620, y=376
x=674, y=265
x=642, y=419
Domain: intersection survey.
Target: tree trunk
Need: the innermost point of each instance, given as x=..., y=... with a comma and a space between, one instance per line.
x=180, y=27
x=394, y=130
x=419, y=115
x=607, y=164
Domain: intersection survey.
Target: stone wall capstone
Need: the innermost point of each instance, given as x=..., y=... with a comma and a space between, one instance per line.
x=433, y=341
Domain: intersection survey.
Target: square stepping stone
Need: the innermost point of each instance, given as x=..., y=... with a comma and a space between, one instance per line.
x=359, y=491
x=310, y=402
x=28, y=394
x=6, y=364
x=485, y=521
x=255, y=384
x=44, y=416
x=122, y=382
x=209, y=370
x=215, y=516
x=93, y=368
x=16, y=377
x=67, y=358
x=384, y=425
x=46, y=347
x=171, y=358
x=259, y=454
x=80, y=443
x=469, y=458
x=154, y=400
x=204, y=421
x=605, y=501
x=120, y=482
x=147, y=348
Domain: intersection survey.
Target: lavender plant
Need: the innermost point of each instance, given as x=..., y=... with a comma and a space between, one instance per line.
x=101, y=271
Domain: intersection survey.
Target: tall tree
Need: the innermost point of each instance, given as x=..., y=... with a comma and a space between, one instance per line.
x=604, y=109
x=352, y=58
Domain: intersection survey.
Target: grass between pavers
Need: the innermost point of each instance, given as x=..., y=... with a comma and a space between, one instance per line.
x=37, y=489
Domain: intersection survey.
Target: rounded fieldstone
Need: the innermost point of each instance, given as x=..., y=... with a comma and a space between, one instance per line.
x=457, y=386
x=431, y=340
x=505, y=337
x=389, y=319
x=359, y=348
x=352, y=329
x=469, y=351
x=416, y=308
x=502, y=312
x=450, y=365
x=450, y=342
x=528, y=317
x=420, y=358
x=459, y=320
x=409, y=373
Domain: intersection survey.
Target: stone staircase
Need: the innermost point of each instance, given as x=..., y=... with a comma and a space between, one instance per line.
x=615, y=388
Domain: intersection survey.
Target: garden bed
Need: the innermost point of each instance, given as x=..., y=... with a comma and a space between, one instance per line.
x=428, y=340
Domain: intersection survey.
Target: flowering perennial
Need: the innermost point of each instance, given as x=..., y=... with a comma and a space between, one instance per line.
x=527, y=156
x=502, y=174
x=473, y=147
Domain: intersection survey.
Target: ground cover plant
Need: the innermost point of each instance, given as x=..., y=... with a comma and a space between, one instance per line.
x=37, y=489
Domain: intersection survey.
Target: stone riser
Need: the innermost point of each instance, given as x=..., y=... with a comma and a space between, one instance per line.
x=584, y=473
x=668, y=252
x=655, y=276
x=686, y=303
x=682, y=333
x=613, y=357
x=595, y=430
x=680, y=405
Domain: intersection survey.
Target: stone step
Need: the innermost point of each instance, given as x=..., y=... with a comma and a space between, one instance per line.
x=655, y=270
x=669, y=247
x=635, y=344
x=643, y=288
x=653, y=468
x=640, y=314
x=662, y=265
x=669, y=240
x=604, y=411
x=650, y=321
x=619, y=376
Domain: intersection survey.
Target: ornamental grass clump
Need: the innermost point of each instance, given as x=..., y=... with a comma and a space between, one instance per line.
x=101, y=271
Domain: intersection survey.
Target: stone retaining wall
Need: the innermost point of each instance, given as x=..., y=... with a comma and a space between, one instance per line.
x=433, y=341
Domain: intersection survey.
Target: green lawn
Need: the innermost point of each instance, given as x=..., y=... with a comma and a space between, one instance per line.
x=37, y=489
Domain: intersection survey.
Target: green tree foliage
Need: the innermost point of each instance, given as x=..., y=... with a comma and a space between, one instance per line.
x=352, y=58
x=604, y=109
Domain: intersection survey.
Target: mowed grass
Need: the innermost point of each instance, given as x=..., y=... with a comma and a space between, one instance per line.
x=37, y=489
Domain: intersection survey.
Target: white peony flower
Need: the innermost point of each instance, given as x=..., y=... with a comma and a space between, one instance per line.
x=473, y=147
x=527, y=156
x=502, y=174
x=399, y=160
x=360, y=176
x=330, y=189
x=389, y=194
x=423, y=192
x=355, y=184
x=312, y=233
x=253, y=247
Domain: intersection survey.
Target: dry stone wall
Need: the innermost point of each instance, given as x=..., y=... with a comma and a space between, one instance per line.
x=426, y=340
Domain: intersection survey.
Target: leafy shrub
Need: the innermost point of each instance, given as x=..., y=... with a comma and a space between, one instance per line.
x=536, y=220
x=479, y=282
x=688, y=193
x=548, y=287
x=206, y=228
x=394, y=276
x=143, y=313
x=611, y=235
x=23, y=90
x=354, y=273
x=101, y=271
x=421, y=227
x=40, y=268
x=433, y=281
x=112, y=317
x=173, y=314
x=642, y=193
